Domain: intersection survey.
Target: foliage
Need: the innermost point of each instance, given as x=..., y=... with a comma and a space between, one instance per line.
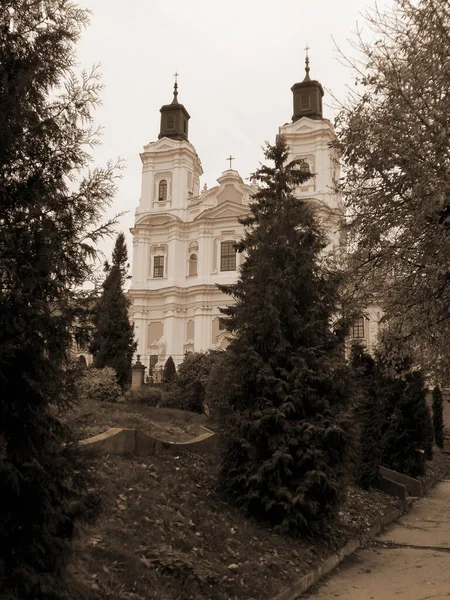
x=394, y=138
x=170, y=371
x=286, y=452
x=409, y=433
x=369, y=415
x=147, y=394
x=189, y=392
x=99, y=385
x=50, y=203
x=113, y=340
x=438, y=417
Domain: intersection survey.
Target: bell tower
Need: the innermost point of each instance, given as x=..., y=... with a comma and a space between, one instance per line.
x=307, y=96
x=174, y=118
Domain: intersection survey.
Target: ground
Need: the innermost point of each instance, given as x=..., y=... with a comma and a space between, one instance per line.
x=166, y=533
x=410, y=560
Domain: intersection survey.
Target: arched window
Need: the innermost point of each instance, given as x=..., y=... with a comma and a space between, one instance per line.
x=305, y=167
x=193, y=264
x=162, y=191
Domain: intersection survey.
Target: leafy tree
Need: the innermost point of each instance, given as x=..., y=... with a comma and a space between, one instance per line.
x=394, y=138
x=47, y=245
x=370, y=415
x=438, y=417
x=113, y=340
x=170, y=371
x=286, y=451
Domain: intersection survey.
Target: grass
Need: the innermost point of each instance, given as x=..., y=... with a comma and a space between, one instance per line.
x=89, y=418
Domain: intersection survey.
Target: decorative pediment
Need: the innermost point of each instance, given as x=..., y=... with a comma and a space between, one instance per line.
x=224, y=210
x=306, y=126
x=231, y=193
x=156, y=219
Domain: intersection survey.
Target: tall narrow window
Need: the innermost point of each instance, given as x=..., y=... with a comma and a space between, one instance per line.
x=158, y=266
x=193, y=264
x=170, y=121
x=162, y=191
x=358, y=328
x=227, y=256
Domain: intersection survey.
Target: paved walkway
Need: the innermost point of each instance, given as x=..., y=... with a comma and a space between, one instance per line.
x=410, y=560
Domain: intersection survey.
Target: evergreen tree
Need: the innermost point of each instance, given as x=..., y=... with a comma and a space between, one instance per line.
x=369, y=415
x=170, y=371
x=47, y=209
x=286, y=451
x=113, y=340
x=409, y=434
x=438, y=417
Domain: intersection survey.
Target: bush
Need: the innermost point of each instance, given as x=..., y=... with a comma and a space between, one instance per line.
x=149, y=395
x=189, y=392
x=99, y=385
x=438, y=417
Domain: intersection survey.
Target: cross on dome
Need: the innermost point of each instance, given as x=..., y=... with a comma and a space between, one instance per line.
x=230, y=158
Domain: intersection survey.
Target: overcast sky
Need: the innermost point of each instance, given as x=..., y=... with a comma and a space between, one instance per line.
x=237, y=61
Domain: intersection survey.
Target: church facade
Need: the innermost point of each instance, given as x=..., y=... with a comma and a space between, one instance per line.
x=184, y=236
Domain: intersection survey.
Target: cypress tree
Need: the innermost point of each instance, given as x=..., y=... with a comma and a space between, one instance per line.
x=369, y=416
x=46, y=248
x=113, y=340
x=409, y=434
x=286, y=451
x=170, y=371
x=438, y=417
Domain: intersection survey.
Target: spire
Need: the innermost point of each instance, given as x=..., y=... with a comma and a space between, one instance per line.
x=307, y=77
x=307, y=96
x=174, y=118
x=175, y=89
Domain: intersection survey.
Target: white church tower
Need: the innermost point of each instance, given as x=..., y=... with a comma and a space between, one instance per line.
x=183, y=237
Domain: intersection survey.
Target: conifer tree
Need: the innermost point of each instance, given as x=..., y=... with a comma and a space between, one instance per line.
x=113, y=340
x=285, y=454
x=409, y=434
x=47, y=209
x=170, y=371
x=369, y=415
x=438, y=417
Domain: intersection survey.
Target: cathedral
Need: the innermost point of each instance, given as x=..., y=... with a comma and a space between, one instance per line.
x=184, y=235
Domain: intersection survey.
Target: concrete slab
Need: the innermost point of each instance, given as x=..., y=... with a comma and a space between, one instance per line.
x=390, y=574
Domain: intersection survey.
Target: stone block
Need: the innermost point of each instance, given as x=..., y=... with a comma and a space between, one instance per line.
x=114, y=441
x=414, y=486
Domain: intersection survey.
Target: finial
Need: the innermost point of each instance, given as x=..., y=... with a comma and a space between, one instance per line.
x=175, y=89
x=230, y=158
x=307, y=77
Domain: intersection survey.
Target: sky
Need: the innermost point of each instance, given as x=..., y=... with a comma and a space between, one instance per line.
x=236, y=59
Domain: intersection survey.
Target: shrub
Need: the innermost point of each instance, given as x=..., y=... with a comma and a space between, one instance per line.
x=149, y=395
x=99, y=385
x=189, y=392
x=438, y=417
